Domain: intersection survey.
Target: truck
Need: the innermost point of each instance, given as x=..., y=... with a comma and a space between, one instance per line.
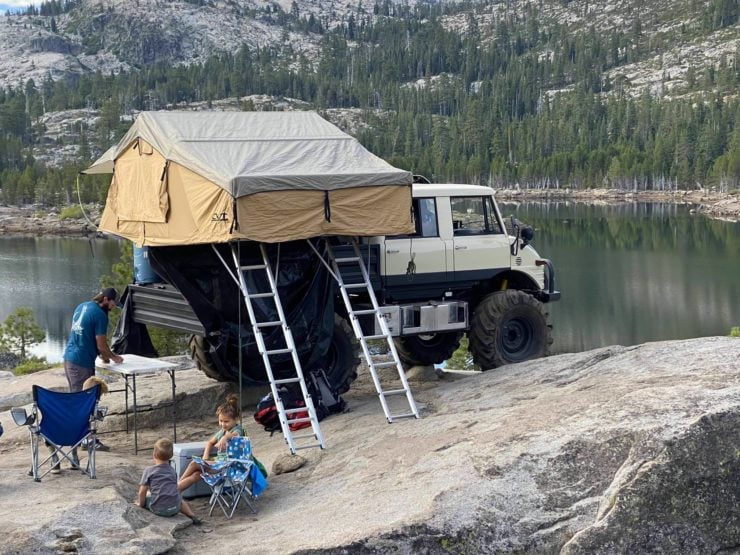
x=464, y=269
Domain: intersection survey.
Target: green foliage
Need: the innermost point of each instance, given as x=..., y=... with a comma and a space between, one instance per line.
x=19, y=332
x=735, y=331
x=73, y=212
x=484, y=112
x=461, y=359
x=31, y=365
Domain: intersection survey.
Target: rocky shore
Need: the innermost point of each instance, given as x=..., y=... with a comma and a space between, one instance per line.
x=37, y=222
x=614, y=450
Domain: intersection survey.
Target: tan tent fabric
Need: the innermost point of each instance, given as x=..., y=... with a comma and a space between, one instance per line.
x=179, y=177
x=290, y=215
x=142, y=184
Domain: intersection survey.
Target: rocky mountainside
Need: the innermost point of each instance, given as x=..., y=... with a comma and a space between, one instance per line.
x=116, y=35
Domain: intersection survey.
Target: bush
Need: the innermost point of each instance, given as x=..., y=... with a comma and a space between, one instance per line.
x=735, y=331
x=73, y=212
x=31, y=365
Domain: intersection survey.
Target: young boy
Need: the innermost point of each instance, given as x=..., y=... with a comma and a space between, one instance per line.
x=158, y=485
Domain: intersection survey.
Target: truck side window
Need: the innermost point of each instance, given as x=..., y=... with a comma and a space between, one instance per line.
x=426, y=224
x=473, y=216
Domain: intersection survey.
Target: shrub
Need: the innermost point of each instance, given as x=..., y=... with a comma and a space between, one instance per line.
x=735, y=331
x=31, y=365
x=73, y=212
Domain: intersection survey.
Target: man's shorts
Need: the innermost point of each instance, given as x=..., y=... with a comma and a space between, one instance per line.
x=76, y=375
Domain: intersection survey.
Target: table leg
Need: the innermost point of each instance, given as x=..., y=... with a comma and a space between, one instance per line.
x=125, y=393
x=136, y=428
x=174, y=407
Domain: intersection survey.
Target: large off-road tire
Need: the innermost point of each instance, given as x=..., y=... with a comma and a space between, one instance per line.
x=509, y=326
x=421, y=350
x=199, y=353
x=343, y=357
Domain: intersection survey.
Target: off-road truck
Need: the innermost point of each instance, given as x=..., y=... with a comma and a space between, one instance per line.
x=464, y=270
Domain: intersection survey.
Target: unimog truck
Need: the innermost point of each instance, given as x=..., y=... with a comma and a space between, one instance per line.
x=460, y=271
x=241, y=216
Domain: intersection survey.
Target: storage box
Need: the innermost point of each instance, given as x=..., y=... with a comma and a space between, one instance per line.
x=182, y=455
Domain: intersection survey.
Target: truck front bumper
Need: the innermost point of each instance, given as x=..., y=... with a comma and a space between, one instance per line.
x=549, y=294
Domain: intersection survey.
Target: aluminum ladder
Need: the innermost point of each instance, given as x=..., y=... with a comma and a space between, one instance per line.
x=373, y=362
x=316, y=437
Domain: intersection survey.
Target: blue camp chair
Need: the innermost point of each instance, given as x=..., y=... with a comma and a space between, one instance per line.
x=233, y=479
x=67, y=420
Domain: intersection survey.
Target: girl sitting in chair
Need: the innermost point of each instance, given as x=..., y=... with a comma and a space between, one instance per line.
x=229, y=427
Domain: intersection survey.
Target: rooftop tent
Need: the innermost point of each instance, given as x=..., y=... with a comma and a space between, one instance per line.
x=183, y=178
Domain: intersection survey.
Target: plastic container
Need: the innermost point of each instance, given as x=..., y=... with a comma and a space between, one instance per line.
x=143, y=272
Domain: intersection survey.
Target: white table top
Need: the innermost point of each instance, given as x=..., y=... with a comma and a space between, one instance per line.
x=136, y=365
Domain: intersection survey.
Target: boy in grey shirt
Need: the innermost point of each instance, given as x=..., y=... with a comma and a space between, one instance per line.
x=158, y=485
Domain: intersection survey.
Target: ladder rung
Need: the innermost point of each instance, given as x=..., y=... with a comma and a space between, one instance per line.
x=260, y=295
x=269, y=324
x=355, y=285
x=347, y=259
x=293, y=411
x=407, y=415
x=286, y=380
x=298, y=447
x=384, y=364
x=364, y=311
x=393, y=392
x=381, y=336
x=279, y=351
x=299, y=420
x=252, y=267
x=303, y=436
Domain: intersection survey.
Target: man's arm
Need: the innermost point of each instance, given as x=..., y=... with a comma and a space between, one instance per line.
x=105, y=353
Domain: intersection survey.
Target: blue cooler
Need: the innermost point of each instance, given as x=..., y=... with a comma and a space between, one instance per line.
x=182, y=455
x=143, y=272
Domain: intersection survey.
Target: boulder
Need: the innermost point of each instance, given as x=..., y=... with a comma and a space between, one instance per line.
x=615, y=450
x=287, y=463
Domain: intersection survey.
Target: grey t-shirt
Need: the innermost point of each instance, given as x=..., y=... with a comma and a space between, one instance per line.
x=162, y=482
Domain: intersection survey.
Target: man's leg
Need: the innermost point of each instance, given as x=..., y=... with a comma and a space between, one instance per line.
x=76, y=375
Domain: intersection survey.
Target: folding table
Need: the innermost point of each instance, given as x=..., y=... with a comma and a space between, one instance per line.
x=135, y=365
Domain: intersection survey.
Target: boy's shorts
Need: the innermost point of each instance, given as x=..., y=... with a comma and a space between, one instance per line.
x=167, y=511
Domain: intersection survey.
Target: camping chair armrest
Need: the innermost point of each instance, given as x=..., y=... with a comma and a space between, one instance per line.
x=21, y=417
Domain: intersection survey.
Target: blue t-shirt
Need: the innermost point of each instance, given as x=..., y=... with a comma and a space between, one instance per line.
x=88, y=321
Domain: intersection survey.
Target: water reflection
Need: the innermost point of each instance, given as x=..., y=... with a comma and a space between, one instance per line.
x=636, y=272
x=52, y=275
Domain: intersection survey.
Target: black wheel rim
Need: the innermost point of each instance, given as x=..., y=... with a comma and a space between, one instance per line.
x=516, y=338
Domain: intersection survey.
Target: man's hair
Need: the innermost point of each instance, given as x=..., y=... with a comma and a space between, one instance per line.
x=163, y=449
x=109, y=293
x=92, y=381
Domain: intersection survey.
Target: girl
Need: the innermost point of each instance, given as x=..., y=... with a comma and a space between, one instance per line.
x=228, y=423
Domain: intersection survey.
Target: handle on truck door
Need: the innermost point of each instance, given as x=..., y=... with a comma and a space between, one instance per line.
x=392, y=251
x=460, y=247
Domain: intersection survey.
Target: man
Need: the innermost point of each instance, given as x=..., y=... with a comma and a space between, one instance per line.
x=87, y=339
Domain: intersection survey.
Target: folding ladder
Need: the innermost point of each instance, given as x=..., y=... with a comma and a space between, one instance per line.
x=316, y=437
x=345, y=263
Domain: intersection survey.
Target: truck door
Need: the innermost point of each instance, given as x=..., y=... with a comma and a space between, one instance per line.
x=480, y=243
x=420, y=258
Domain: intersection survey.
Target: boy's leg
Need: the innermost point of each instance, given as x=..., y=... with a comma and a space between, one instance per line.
x=188, y=512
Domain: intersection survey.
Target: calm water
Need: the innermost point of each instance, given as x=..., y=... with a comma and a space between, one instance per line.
x=636, y=273
x=52, y=276
x=628, y=274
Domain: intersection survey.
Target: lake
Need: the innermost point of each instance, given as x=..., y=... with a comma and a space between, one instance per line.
x=52, y=276
x=628, y=274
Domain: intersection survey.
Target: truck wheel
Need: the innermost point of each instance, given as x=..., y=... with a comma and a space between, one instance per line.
x=509, y=326
x=199, y=353
x=421, y=350
x=343, y=356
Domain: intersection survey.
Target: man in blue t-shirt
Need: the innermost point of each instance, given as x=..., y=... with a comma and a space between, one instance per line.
x=87, y=339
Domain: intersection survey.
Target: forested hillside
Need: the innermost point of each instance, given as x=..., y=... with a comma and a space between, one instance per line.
x=500, y=94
